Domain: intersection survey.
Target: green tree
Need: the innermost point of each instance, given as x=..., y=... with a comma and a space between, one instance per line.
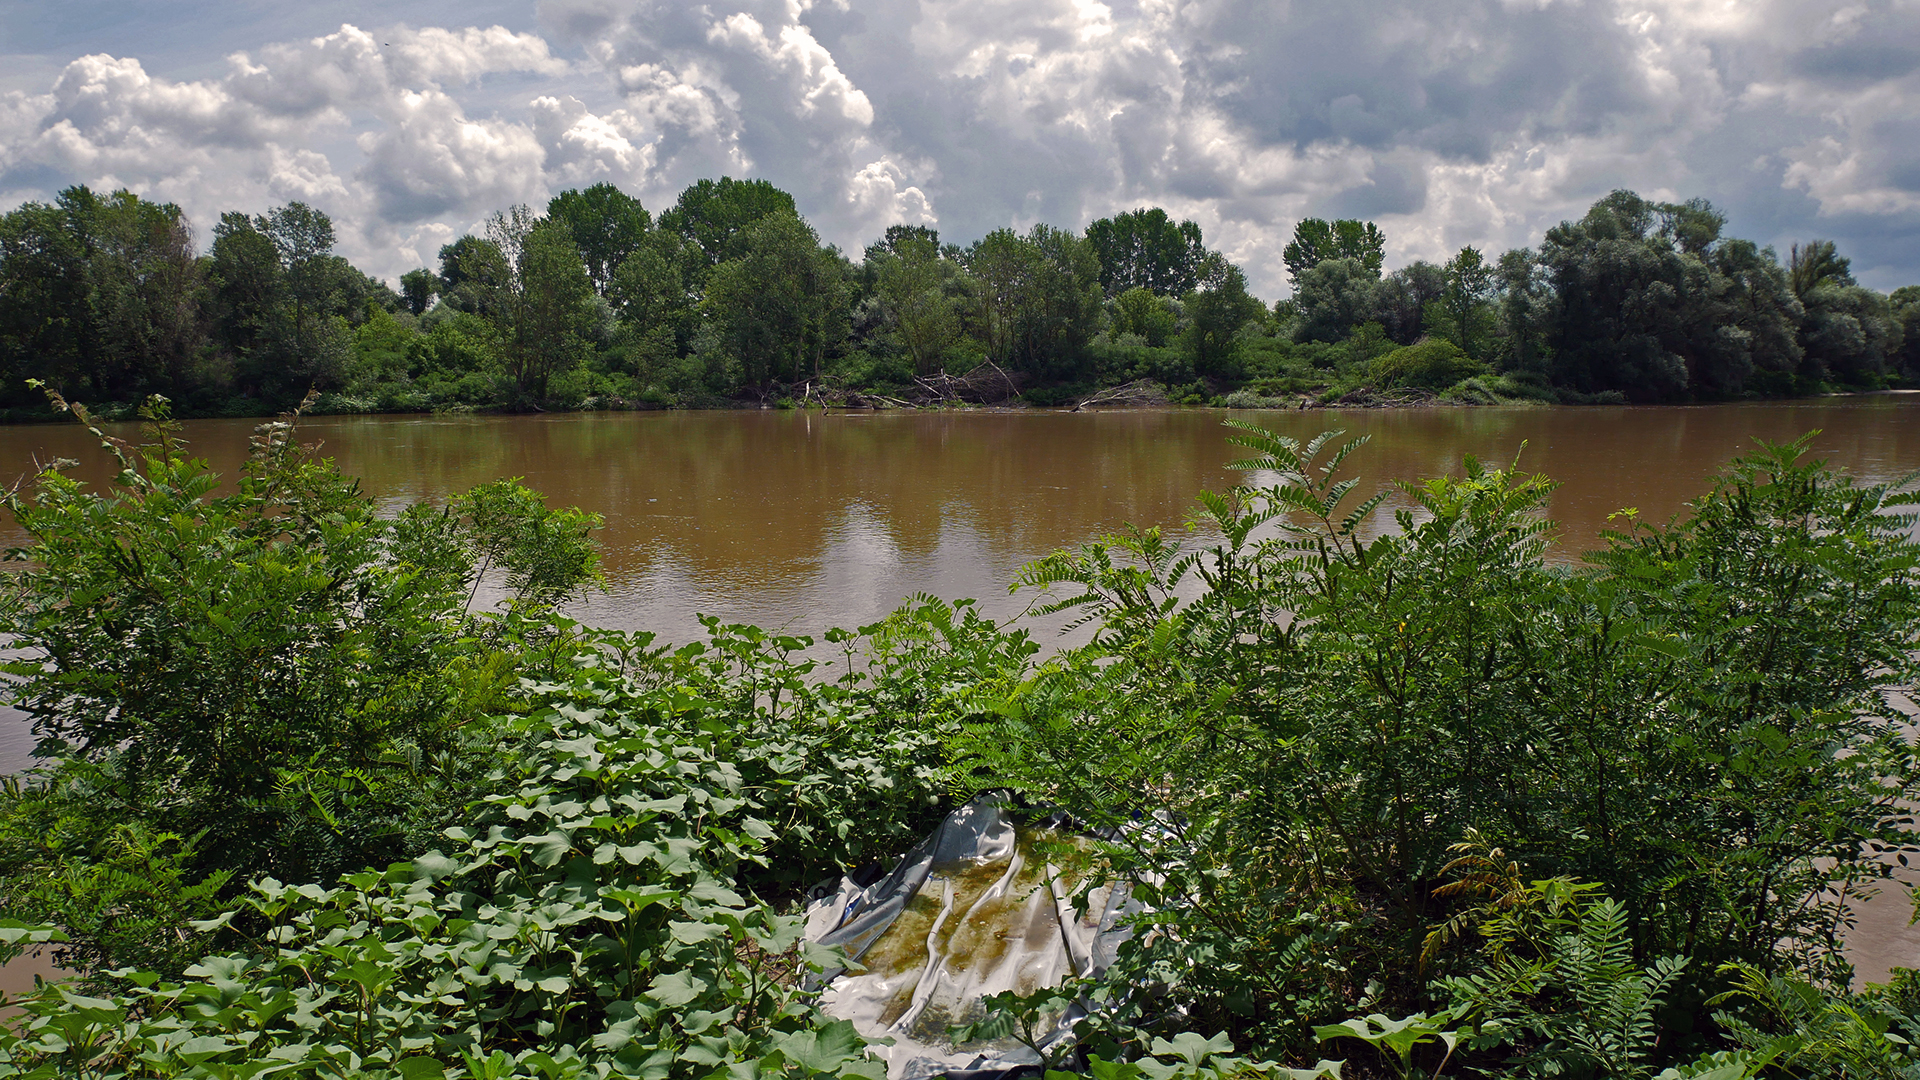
x=1215, y=313
x=45, y=324
x=651, y=294
x=529, y=281
x=1146, y=249
x=1148, y=316
x=1038, y=298
x=1333, y=296
x=1818, y=263
x=1763, y=310
x=382, y=350
x=781, y=305
x=1526, y=311
x=608, y=226
x=713, y=215
x=471, y=269
x=1849, y=334
x=915, y=286
x=213, y=664
x=1464, y=315
x=418, y=288
x=1402, y=299
x=1002, y=266
x=1315, y=241
x=1636, y=315
x=280, y=297
x=1692, y=226
x=897, y=238
x=104, y=295
x=249, y=289
x=1905, y=305
x=303, y=237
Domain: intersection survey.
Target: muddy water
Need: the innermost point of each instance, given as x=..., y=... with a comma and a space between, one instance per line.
x=804, y=521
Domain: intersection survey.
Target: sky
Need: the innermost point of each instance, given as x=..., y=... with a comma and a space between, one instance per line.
x=1448, y=122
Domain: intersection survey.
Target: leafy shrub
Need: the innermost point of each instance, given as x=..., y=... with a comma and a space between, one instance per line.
x=1430, y=364
x=277, y=680
x=586, y=921
x=1311, y=720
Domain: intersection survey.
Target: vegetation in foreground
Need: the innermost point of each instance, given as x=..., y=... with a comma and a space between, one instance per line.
x=728, y=298
x=1399, y=801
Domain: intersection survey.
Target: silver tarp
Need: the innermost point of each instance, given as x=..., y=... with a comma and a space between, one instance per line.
x=971, y=911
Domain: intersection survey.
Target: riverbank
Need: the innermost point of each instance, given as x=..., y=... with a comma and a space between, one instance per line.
x=1135, y=395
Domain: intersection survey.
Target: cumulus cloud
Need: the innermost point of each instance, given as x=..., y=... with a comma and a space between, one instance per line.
x=1448, y=121
x=582, y=148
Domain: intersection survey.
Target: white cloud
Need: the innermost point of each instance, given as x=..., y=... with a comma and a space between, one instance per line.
x=582, y=148
x=1449, y=121
x=878, y=196
x=432, y=159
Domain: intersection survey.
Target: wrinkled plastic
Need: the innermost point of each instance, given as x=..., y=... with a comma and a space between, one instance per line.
x=973, y=910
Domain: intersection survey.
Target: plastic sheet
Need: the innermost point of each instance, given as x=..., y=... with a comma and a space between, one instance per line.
x=973, y=910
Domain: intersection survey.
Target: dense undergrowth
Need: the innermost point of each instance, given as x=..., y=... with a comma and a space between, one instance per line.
x=1400, y=796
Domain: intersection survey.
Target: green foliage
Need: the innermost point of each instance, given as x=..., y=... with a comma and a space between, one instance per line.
x=917, y=292
x=1332, y=296
x=1397, y=1040
x=597, y=305
x=418, y=289
x=1462, y=314
x=1433, y=364
x=778, y=307
x=1140, y=312
x=1398, y=782
x=608, y=227
x=1215, y=313
x=1789, y=1027
x=1315, y=241
x=1309, y=720
x=1577, y=1000
x=712, y=216
x=585, y=921
x=1145, y=249
x=1038, y=298
x=537, y=294
x=272, y=680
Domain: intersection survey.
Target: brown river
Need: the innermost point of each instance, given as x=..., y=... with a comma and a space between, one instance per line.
x=802, y=521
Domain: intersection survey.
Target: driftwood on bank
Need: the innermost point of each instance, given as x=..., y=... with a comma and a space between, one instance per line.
x=986, y=384
x=1137, y=392
x=1402, y=397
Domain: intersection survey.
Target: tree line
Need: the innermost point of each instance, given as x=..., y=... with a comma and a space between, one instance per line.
x=729, y=294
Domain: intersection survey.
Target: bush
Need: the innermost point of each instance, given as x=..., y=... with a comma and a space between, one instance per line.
x=279, y=680
x=1429, y=364
x=1314, y=719
x=587, y=916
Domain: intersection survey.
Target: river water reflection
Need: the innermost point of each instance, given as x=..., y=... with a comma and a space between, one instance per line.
x=803, y=521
